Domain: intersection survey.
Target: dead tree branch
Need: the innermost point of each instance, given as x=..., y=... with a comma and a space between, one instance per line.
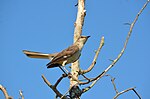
x=77, y=33
x=53, y=87
x=21, y=94
x=126, y=42
x=124, y=91
x=89, y=87
x=59, y=80
x=114, y=85
x=113, y=82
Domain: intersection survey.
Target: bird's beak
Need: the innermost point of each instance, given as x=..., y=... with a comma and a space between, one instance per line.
x=85, y=36
x=88, y=36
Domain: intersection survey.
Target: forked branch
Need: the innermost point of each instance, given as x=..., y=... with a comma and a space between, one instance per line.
x=53, y=87
x=124, y=91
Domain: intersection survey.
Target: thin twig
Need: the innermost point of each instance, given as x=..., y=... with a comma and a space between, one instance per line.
x=89, y=87
x=114, y=85
x=95, y=57
x=59, y=80
x=94, y=79
x=21, y=94
x=119, y=93
x=113, y=82
x=124, y=91
x=85, y=77
x=53, y=88
x=67, y=92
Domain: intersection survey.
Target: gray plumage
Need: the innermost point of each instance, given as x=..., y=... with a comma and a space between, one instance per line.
x=69, y=55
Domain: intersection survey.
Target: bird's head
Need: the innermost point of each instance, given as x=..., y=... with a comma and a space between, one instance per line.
x=81, y=41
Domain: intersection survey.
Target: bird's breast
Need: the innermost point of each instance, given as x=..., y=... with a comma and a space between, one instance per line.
x=74, y=57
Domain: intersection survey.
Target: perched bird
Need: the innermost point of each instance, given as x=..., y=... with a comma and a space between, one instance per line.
x=69, y=55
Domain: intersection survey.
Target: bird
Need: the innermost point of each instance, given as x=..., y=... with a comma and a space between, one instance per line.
x=66, y=56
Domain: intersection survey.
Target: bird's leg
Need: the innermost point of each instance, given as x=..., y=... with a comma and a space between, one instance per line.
x=65, y=69
x=63, y=64
x=62, y=69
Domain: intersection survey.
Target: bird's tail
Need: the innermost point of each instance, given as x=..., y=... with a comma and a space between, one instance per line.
x=51, y=65
x=32, y=54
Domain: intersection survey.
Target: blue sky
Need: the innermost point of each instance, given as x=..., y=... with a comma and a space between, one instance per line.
x=42, y=25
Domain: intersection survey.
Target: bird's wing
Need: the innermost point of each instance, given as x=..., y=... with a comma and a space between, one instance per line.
x=32, y=54
x=59, y=58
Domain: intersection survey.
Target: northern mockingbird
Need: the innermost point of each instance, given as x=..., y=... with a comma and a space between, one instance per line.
x=69, y=55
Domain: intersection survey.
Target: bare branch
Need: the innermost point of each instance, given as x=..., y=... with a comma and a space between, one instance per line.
x=89, y=87
x=127, y=39
x=95, y=58
x=94, y=79
x=21, y=94
x=126, y=42
x=59, y=80
x=73, y=78
x=80, y=19
x=119, y=93
x=5, y=92
x=77, y=33
x=122, y=92
x=94, y=82
x=53, y=88
x=67, y=92
x=113, y=82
